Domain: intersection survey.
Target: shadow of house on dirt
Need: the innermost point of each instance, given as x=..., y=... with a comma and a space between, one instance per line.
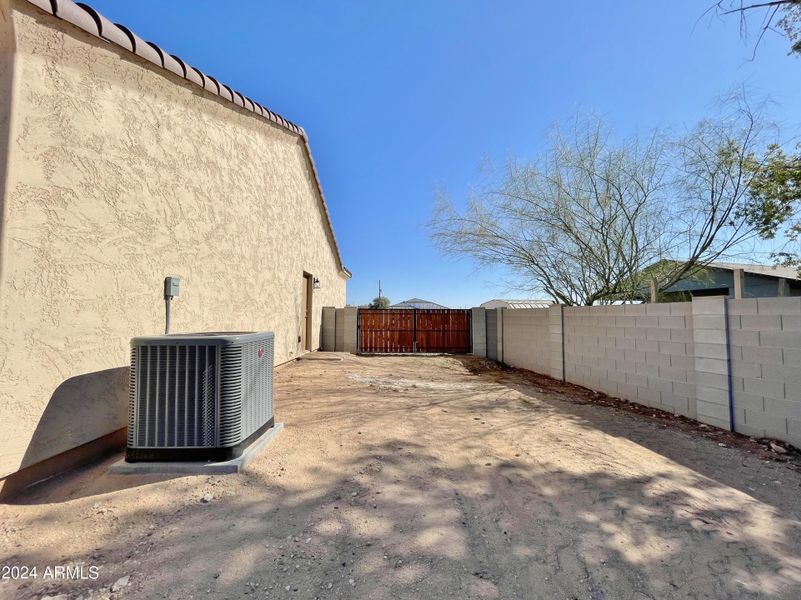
x=403, y=522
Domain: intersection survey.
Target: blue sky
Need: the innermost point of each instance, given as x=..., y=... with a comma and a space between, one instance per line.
x=401, y=97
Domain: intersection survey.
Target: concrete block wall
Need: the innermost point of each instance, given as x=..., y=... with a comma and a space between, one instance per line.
x=642, y=353
x=350, y=324
x=499, y=334
x=340, y=329
x=765, y=361
x=520, y=327
x=328, y=340
x=492, y=333
x=710, y=340
x=478, y=333
x=556, y=342
x=734, y=364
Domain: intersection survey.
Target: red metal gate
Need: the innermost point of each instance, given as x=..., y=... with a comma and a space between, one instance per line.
x=414, y=330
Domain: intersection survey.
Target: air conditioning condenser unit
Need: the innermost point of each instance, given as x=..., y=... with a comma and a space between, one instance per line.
x=199, y=396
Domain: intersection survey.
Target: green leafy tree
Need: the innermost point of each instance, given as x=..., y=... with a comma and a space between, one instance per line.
x=775, y=203
x=379, y=302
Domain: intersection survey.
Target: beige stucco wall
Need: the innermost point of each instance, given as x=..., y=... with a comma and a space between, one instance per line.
x=119, y=174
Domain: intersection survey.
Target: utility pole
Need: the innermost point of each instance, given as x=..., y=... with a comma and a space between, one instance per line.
x=379, y=289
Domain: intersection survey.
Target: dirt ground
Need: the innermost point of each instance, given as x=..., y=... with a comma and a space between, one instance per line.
x=430, y=477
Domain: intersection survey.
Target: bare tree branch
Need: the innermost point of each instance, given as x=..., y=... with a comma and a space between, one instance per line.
x=786, y=14
x=591, y=221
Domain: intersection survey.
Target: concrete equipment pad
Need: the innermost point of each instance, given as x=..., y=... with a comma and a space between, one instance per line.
x=234, y=465
x=329, y=356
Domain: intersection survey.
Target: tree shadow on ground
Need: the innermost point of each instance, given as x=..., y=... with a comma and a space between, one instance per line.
x=472, y=490
x=686, y=446
x=401, y=522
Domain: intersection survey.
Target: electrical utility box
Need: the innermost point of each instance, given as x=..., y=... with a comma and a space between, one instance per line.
x=172, y=287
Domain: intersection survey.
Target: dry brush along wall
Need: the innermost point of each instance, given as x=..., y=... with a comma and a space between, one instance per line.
x=735, y=364
x=118, y=173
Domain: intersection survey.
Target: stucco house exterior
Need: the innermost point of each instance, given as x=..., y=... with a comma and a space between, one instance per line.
x=122, y=164
x=740, y=280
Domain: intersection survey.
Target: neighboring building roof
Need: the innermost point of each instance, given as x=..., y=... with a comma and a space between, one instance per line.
x=89, y=20
x=764, y=270
x=417, y=303
x=502, y=303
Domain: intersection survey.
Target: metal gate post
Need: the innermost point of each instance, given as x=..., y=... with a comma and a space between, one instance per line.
x=414, y=340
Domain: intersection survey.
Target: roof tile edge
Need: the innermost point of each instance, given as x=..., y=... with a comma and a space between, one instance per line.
x=92, y=22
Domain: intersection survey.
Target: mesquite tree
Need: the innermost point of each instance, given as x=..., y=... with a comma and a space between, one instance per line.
x=713, y=168
x=597, y=219
x=577, y=221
